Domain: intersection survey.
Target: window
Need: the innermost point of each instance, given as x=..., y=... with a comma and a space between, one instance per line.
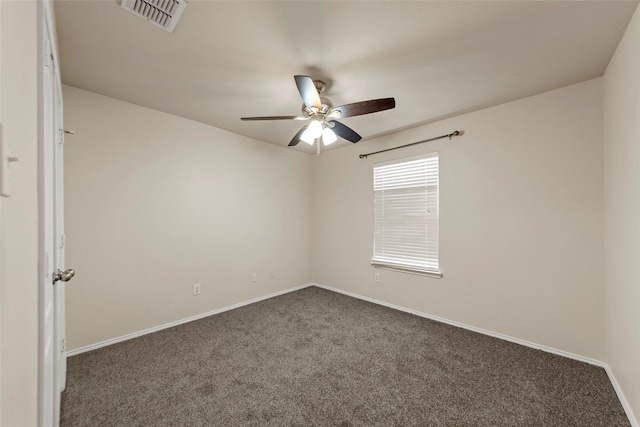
x=405, y=235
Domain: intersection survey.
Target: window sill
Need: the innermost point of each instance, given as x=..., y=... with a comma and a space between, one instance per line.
x=410, y=270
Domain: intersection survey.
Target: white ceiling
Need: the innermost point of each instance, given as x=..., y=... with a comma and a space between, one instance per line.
x=228, y=59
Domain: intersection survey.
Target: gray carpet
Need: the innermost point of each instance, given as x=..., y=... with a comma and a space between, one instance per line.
x=318, y=358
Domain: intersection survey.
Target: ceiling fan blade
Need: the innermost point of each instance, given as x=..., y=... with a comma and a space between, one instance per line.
x=296, y=139
x=365, y=107
x=275, y=118
x=308, y=91
x=345, y=132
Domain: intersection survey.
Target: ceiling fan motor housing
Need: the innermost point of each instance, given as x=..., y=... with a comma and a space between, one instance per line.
x=327, y=105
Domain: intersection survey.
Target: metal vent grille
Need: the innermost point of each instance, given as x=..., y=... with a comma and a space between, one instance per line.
x=163, y=13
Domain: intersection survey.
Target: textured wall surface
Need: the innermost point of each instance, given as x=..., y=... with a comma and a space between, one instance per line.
x=520, y=220
x=19, y=216
x=622, y=213
x=156, y=203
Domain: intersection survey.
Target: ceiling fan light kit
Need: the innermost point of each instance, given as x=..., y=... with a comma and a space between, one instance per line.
x=318, y=130
x=323, y=114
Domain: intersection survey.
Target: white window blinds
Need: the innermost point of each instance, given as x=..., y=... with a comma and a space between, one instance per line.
x=406, y=214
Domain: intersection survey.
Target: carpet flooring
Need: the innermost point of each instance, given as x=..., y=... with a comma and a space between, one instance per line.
x=318, y=358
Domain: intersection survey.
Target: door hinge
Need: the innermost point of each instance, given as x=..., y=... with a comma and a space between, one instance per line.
x=64, y=345
x=48, y=55
x=62, y=241
x=60, y=136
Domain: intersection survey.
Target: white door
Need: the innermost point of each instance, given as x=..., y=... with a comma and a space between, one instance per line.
x=59, y=287
x=47, y=377
x=52, y=358
x=59, y=336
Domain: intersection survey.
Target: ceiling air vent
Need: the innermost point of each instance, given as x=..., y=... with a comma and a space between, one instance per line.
x=163, y=13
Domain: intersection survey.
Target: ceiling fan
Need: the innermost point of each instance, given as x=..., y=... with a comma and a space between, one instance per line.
x=322, y=114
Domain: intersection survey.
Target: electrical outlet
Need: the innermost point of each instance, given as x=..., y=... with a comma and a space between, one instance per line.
x=376, y=277
x=196, y=289
x=272, y=274
x=254, y=278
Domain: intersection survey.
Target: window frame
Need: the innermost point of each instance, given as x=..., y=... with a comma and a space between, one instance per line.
x=411, y=265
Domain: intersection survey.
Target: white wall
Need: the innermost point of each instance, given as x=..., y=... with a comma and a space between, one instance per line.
x=622, y=213
x=156, y=203
x=521, y=220
x=19, y=228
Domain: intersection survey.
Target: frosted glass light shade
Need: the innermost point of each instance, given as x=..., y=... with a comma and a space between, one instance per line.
x=315, y=127
x=328, y=136
x=307, y=137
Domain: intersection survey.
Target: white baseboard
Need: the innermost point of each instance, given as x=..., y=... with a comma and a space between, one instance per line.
x=623, y=400
x=468, y=327
x=126, y=337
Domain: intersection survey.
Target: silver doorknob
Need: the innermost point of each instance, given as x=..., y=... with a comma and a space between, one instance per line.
x=65, y=276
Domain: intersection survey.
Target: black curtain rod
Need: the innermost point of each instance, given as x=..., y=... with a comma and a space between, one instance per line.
x=451, y=135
